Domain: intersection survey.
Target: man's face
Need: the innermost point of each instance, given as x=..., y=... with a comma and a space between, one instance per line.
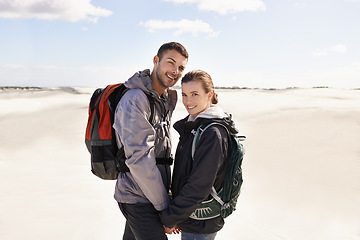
x=170, y=68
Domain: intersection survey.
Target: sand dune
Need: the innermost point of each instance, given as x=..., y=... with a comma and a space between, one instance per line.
x=301, y=169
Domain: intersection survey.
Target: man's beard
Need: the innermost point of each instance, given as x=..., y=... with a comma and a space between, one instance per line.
x=161, y=78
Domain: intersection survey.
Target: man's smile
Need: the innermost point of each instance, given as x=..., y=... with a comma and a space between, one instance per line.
x=172, y=78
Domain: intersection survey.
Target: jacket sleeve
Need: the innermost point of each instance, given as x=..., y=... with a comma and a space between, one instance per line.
x=138, y=137
x=209, y=155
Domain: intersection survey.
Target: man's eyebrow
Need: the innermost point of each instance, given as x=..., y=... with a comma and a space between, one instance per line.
x=172, y=59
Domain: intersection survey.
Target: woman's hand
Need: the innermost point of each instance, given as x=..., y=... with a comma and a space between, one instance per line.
x=175, y=230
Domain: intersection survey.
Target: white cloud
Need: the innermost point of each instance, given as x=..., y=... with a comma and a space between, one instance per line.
x=300, y=4
x=339, y=48
x=355, y=65
x=183, y=26
x=319, y=52
x=341, y=77
x=12, y=66
x=85, y=68
x=225, y=6
x=59, y=75
x=65, y=10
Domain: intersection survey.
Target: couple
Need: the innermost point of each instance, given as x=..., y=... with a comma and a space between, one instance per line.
x=143, y=193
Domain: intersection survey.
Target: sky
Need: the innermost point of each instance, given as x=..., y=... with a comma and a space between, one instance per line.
x=243, y=43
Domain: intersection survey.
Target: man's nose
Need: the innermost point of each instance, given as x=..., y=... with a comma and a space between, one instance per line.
x=175, y=70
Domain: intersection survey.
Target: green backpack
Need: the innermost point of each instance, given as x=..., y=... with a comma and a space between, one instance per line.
x=223, y=202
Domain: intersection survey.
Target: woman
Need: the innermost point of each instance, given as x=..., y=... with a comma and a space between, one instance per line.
x=193, y=178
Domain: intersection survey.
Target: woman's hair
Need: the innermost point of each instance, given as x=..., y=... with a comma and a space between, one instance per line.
x=206, y=81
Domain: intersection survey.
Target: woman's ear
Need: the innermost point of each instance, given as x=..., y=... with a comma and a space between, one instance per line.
x=211, y=94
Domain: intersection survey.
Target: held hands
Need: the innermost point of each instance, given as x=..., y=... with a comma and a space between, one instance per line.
x=175, y=230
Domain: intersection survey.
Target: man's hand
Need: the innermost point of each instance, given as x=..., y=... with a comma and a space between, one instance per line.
x=175, y=230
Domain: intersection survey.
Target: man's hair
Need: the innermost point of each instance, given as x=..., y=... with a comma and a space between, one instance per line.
x=172, y=46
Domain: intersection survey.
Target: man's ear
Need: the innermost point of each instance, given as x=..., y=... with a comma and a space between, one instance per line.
x=156, y=60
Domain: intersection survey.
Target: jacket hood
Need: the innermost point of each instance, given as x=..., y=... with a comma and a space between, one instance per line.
x=140, y=80
x=212, y=112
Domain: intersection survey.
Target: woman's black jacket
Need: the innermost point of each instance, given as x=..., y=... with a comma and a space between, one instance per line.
x=193, y=178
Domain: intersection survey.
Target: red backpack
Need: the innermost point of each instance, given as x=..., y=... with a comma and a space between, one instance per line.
x=106, y=159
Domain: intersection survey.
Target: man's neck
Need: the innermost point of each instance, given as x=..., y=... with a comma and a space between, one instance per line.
x=155, y=84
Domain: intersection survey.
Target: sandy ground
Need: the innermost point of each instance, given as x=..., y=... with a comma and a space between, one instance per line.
x=301, y=169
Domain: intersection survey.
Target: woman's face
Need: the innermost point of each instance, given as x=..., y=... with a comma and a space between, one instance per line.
x=194, y=97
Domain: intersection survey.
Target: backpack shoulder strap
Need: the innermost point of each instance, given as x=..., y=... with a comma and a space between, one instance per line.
x=199, y=133
x=120, y=92
x=197, y=136
x=152, y=107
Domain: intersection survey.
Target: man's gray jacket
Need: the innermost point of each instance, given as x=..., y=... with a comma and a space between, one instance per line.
x=143, y=142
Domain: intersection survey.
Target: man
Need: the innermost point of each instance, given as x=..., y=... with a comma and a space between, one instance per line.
x=143, y=191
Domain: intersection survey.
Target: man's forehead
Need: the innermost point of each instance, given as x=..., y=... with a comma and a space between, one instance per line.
x=172, y=53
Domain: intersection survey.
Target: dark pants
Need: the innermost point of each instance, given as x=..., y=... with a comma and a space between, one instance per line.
x=142, y=222
x=194, y=236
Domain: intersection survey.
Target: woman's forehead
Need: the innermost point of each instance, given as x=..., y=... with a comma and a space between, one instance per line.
x=192, y=86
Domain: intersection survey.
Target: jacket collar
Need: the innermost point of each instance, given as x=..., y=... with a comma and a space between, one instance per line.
x=212, y=112
x=141, y=80
x=216, y=114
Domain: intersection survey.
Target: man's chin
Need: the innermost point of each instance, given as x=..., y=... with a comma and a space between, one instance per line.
x=171, y=83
